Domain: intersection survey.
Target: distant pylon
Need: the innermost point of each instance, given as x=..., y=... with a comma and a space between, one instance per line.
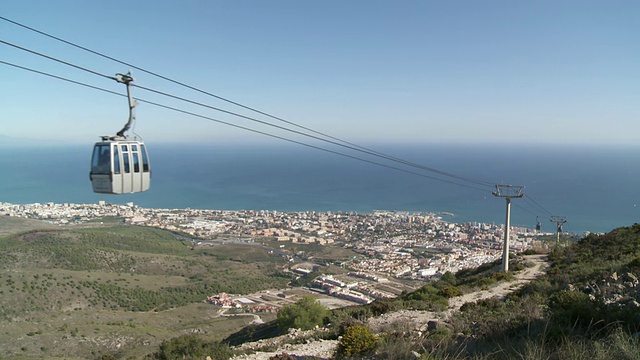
x=559, y=220
x=508, y=192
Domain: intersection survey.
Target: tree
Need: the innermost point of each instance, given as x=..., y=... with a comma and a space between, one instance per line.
x=305, y=314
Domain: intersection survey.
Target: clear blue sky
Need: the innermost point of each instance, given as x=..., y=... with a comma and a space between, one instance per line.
x=363, y=70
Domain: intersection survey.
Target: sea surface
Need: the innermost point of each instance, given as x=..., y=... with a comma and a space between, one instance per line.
x=594, y=187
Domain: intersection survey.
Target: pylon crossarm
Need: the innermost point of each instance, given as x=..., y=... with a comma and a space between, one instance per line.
x=509, y=191
x=558, y=220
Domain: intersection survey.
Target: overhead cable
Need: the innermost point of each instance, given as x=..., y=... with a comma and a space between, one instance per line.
x=529, y=198
x=57, y=60
x=525, y=210
x=168, y=79
x=373, y=153
x=61, y=78
x=350, y=144
x=317, y=138
x=246, y=128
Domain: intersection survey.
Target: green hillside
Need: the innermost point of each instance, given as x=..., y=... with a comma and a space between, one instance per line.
x=586, y=306
x=117, y=291
x=87, y=291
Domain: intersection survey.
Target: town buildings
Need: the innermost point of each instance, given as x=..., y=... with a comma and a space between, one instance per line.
x=390, y=244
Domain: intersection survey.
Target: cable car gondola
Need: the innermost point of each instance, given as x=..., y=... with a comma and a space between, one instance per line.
x=120, y=164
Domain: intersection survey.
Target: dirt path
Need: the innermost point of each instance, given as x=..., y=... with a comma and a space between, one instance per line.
x=421, y=318
x=256, y=318
x=502, y=289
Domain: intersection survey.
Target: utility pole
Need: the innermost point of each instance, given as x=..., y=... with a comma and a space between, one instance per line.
x=559, y=220
x=507, y=192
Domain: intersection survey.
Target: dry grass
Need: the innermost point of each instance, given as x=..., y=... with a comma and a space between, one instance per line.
x=49, y=308
x=13, y=225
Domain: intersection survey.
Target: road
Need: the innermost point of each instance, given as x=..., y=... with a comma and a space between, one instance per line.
x=256, y=319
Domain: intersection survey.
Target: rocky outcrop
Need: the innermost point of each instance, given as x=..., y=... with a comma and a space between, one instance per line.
x=614, y=290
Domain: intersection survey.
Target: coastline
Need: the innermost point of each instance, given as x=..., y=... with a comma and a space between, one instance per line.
x=276, y=178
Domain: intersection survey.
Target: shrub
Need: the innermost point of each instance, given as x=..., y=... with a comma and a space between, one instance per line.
x=503, y=276
x=192, y=347
x=380, y=307
x=449, y=278
x=634, y=264
x=450, y=291
x=398, y=345
x=485, y=282
x=572, y=308
x=356, y=341
x=422, y=293
x=305, y=314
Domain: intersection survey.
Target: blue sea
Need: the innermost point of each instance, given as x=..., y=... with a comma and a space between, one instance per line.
x=594, y=187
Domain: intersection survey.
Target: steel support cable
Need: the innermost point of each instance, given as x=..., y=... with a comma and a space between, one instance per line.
x=386, y=157
x=56, y=60
x=311, y=146
x=531, y=206
x=61, y=78
x=525, y=210
x=527, y=198
x=351, y=145
x=253, y=119
x=246, y=128
x=174, y=81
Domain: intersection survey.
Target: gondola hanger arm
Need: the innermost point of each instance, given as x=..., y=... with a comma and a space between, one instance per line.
x=127, y=80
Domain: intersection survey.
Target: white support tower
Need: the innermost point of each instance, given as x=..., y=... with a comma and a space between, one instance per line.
x=559, y=220
x=507, y=192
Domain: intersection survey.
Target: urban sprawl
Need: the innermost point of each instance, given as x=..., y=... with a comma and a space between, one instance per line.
x=391, y=244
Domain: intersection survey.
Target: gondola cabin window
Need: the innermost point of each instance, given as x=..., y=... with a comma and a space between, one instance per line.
x=116, y=160
x=136, y=161
x=145, y=160
x=125, y=159
x=101, y=161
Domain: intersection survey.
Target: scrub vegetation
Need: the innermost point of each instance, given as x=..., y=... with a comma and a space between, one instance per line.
x=116, y=291
x=587, y=305
x=109, y=289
